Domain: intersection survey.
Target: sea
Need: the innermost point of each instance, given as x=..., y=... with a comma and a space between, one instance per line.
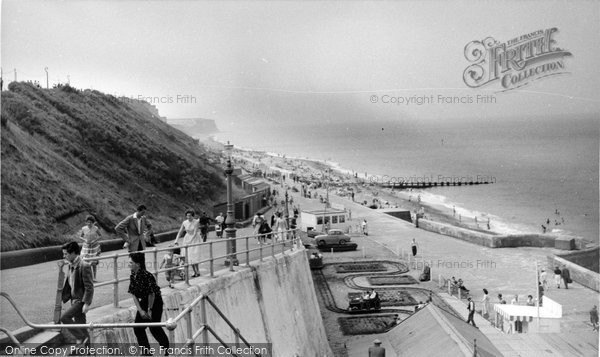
x=543, y=169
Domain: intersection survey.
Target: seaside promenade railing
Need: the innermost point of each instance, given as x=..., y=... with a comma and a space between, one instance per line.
x=278, y=243
x=170, y=324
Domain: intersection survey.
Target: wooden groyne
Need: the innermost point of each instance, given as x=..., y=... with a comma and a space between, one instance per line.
x=402, y=185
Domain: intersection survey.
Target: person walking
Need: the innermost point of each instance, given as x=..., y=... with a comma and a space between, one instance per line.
x=148, y=301
x=471, y=308
x=192, y=254
x=133, y=230
x=219, y=220
x=376, y=350
x=413, y=246
x=280, y=227
x=484, y=304
x=257, y=223
x=79, y=289
x=557, y=276
x=365, y=229
x=543, y=279
x=90, y=235
x=566, y=276
x=594, y=318
x=204, y=224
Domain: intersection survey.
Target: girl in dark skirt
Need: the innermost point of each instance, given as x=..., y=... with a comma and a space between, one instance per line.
x=147, y=299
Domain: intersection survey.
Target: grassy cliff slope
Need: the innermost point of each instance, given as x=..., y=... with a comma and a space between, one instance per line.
x=67, y=153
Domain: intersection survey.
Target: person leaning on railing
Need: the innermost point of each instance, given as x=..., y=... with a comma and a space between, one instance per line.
x=147, y=299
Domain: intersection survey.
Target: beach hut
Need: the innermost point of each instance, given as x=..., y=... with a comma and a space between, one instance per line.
x=521, y=318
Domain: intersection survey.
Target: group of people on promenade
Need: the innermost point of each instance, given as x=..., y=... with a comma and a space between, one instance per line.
x=78, y=289
x=136, y=231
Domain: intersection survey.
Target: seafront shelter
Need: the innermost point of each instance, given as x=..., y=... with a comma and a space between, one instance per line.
x=522, y=318
x=323, y=218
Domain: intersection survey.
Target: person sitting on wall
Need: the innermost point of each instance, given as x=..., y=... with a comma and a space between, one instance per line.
x=463, y=289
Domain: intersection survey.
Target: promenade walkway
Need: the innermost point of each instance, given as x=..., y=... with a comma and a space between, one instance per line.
x=508, y=271
x=34, y=287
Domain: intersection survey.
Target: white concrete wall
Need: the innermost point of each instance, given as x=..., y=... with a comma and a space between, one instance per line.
x=270, y=302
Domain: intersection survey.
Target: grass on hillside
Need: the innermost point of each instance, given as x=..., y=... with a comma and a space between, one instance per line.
x=66, y=153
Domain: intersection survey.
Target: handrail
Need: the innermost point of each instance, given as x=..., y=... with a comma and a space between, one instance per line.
x=11, y=336
x=225, y=319
x=292, y=233
x=170, y=324
x=290, y=237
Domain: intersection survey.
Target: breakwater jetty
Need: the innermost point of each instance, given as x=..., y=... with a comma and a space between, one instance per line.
x=401, y=185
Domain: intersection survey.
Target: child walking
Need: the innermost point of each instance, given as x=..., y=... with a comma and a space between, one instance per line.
x=168, y=262
x=90, y=235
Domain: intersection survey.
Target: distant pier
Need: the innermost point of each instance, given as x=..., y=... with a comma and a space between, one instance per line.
x=401, y=185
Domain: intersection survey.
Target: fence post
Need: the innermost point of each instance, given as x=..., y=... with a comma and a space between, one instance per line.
x=116, y=278
x=261, y=248
x=187, y=266
x=247, y=251
x=155, y=253
x=273, y=247
x=212, y=262
x=188, y=324
x=203, y=319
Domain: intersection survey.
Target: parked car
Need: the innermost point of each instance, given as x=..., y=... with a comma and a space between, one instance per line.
x=335, y=236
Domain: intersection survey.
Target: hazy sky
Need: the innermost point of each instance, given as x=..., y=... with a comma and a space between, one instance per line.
x=243, y=61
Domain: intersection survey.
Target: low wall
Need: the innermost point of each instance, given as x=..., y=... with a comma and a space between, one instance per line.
x=578, y=273
x=270, y=302
x=502, y=241
x=587, y=258
x=457, y=232
x=24, y=257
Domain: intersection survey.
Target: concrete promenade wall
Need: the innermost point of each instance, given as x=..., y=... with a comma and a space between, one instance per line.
x=579, y=274
x=270, y=302
x=502, y=241
x=587, y=258
x=24, y=257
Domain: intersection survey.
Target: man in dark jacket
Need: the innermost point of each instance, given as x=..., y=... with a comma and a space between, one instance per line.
x=78, y=288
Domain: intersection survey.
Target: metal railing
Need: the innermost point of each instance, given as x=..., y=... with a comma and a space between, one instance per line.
x=170, y=324
x=290, y=238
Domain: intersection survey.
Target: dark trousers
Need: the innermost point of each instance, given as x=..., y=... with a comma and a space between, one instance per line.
x=470, y=318
x=158, y=332
x=74, y=315
x=566, y=281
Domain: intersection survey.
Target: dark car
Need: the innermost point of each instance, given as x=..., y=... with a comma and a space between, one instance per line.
x=335, y=236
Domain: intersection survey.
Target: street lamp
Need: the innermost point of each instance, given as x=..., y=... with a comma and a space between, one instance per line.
x=287, y=212
x=231, y=259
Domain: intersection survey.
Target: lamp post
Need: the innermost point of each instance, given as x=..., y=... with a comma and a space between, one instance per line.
x=287, y=212
x=230, y=230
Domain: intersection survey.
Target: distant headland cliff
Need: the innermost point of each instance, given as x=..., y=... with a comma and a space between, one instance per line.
x=195, y=127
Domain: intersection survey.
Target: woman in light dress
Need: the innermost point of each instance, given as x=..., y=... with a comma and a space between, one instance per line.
x=192, y=254
x=485, y=304
x=280, y=227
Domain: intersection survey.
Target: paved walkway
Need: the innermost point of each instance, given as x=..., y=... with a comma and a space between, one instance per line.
x=508, y=271
x=34, y=287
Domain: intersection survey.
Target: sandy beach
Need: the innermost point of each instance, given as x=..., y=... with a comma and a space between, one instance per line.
x=328, y=178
